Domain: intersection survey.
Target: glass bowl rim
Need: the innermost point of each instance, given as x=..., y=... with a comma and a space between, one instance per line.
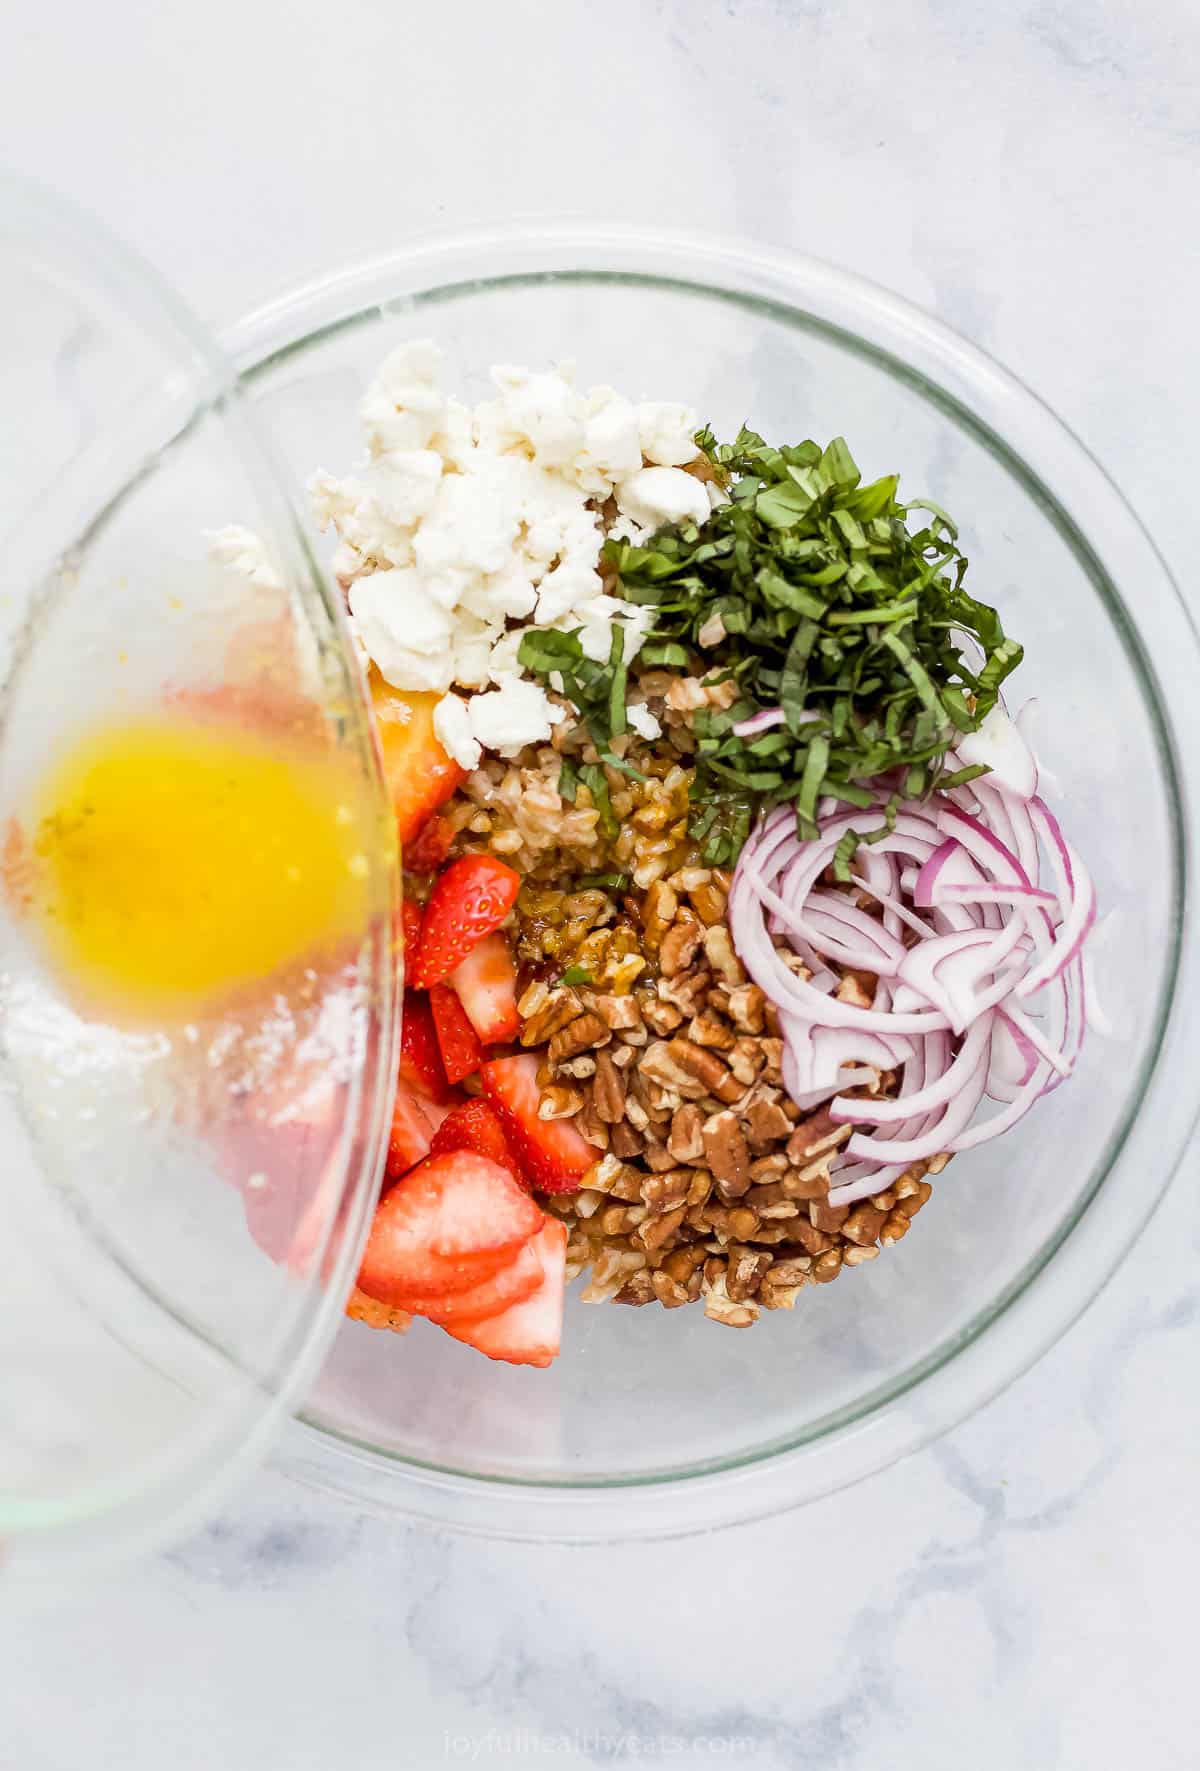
x=975, y=391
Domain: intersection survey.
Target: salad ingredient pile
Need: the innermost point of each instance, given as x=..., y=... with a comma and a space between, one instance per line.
x=731, y=901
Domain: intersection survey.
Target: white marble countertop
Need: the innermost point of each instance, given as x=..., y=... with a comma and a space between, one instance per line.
x=1021, y=1593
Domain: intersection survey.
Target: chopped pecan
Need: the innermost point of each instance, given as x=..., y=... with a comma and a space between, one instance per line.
x=727, y=1153
x=706, y=1068
x=619, y=1013
x=911, y=1205
x=686, y=992
x=559, y=1103
x=746, y=1271
x=708, y=900
x=854, y=989
x=682, y=1262
x=658, y=1157
x=680, y=945
x=660, y=1064
x=772, y=1051
x=746, y=1059
x=824, y=1216
x=618, y=1220
x=817, y=1133
x=608, y=1090
x=580, y=1068
x=663, y=1192
x=810, y=1182
x=855, y=1256
x=722, y=1308
x=746, y=1005
x=638, y=1289
x=718, y=949
x=711, y=1030
x=660, y=1229
x=686, y=1140
x=625, y=1140
x=827, y=1266
x=811, y=1240
x=557, y=1011
x=765, y=1169
x=770, y=1201
x=765, y=1122
x=864, y=1224
x=895, y=1226
x=580, y=1035
x=669, y=1292
x=661, y=1017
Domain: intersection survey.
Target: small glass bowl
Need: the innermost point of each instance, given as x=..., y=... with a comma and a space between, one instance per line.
x=657, y=1422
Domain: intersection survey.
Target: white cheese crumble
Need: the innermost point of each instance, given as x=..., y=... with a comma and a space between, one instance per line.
x=465, y=528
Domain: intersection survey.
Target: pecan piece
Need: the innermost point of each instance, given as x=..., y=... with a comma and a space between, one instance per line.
x=824, y=1216
x=709, y=1029
x=580, y=1035
x=727, y=1153
x=816, y=1134
x=718, y=949
x=686, y=1138
x=864, y=1224
x=746, y=1059
x=660, y=1229
x=625, y=1140
x=619, y=1013
x=557, y=1011
x=746, y=1008
x=608, y=1090
x=680, y=945
x=747, y=1269
x=671, y=1293
x=706, y=1068
x=765, y=1122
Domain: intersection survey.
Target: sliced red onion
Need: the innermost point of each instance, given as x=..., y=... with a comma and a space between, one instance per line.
x=760, y=722
x=950, y=915
x=936, y=1094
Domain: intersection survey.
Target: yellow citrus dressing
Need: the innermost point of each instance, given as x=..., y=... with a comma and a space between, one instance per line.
x=176, y=862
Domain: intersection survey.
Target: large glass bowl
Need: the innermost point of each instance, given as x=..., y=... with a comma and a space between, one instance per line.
x=655, y=1421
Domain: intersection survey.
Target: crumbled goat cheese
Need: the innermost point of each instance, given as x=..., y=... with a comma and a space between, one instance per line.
x=464, y=522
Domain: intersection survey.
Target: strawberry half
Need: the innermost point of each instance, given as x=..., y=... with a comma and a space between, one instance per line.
x=485, y=982
x=528, y=1333
x=450, y=1223
x=421, y=1067
x=552, y=1154
x=512, y=1284
x=411, y=1136
x=470, y=899
x=475, y=1126
x=458, y=1043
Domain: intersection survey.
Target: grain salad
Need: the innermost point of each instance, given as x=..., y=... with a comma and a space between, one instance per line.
x=732, y=909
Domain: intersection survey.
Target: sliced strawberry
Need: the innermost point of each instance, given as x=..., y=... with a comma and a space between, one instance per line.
x=419, y=773
x=430, y=846
x=412, y=1134
x=458, y=1043
x=485, y=982
x=361, y=1308
x=552, y=1154
x=529, y=1333
x=450, y=1223
x=421, y=1067
x=470, y=899
x=475, y=1126
x=512, y=1284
